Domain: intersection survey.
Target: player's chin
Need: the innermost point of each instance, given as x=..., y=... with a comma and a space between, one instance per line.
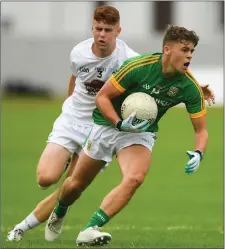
x=183, y=69
x=102, y=48
x=102, y=45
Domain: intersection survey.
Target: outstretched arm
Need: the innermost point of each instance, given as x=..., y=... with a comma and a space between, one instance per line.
x=201, y=141
x=201, y=134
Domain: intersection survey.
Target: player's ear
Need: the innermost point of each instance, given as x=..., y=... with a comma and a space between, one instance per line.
x=166, y=49
x=119, y=30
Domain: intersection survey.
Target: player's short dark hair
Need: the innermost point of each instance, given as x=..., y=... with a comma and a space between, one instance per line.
x=180, y=34
x=107, y=14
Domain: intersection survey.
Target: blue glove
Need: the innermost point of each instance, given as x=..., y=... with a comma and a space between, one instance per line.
x=129, y=126
x=193, y=163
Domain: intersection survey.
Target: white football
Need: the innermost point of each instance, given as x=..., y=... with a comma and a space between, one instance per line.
x=144, y=105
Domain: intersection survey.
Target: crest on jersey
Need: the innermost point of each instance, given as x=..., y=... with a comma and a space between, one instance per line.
x=89, y=145
x=172, y=91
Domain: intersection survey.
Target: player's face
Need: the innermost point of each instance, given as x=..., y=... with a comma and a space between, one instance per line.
x=180, y=55
x=105, y=35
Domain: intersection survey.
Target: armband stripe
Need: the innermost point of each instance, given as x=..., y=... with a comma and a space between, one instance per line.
x=198, y=114
x=116, y=84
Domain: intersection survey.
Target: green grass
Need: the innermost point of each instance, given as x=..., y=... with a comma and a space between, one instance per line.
x=170, y=210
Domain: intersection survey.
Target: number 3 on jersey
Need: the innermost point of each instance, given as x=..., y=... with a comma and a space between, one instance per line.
x=99, y=75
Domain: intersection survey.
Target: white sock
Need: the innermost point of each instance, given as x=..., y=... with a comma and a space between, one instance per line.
x=28, y=223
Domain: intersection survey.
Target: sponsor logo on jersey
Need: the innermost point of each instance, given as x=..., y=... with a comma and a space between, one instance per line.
x=94, y=86
x=161, y=102
x=100, y=69
x=172, y=91
x=84, y=69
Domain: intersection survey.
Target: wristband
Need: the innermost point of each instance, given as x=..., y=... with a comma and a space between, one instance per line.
x=118, y=125
x=200, y=153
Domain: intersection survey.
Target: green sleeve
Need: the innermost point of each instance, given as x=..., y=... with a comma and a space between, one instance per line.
x=195, y=103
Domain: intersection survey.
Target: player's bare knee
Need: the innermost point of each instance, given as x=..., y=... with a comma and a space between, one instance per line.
x=42, y=183
x=134, y=181
x=46, y=180
x=78, y=185
x=75, y=186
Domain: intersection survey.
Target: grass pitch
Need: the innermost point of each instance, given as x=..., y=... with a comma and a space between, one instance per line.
x=170, y=210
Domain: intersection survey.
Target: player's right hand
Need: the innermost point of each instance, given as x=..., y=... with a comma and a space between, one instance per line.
x=128, y=126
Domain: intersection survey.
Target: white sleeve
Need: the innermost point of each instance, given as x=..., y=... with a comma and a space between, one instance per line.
x=131, y=53
x=74, y=61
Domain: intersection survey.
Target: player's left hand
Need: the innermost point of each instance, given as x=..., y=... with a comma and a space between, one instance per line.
x=208, y=94
x=193, y=164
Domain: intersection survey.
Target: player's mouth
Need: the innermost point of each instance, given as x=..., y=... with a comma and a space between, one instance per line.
x=101, y=42
x=186, y=65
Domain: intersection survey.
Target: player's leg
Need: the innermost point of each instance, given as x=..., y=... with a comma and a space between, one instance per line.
x=42, y=211
x=51, y=164
x=61, y=144
x=62, y=141
x=45, y=207
x=134, y=169
x=134, y=160
x=71, y=189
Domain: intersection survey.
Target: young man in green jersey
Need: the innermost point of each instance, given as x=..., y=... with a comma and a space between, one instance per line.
x=165, y=77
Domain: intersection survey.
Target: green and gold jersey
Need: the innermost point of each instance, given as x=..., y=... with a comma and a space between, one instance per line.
x=144, y=74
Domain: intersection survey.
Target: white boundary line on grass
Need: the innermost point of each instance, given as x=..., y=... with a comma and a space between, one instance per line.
x=128, y=228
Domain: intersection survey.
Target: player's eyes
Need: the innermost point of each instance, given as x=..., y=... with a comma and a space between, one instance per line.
x=186, y=50
x=108, y=30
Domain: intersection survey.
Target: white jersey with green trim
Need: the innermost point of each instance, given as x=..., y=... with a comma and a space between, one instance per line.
x=91, y=73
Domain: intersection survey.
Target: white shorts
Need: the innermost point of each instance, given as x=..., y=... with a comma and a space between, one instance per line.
x=68, y=134
x=104, y=142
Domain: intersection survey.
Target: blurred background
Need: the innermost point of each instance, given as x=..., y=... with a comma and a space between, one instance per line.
x=37, y=37
x=171, y=209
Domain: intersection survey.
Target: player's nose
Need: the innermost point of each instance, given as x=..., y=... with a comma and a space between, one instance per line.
x=102, y=33
x=189, y=56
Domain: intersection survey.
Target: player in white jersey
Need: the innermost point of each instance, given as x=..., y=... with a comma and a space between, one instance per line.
x=91, y=73
x=92, y=63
